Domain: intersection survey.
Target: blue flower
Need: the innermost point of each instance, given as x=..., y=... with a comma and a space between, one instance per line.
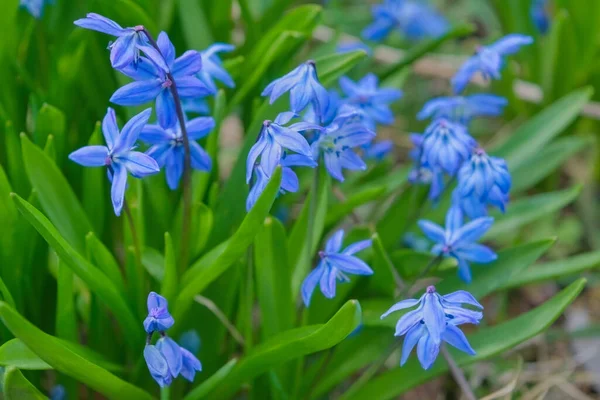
x=337, y=140
x=35, y=7
x=414, y=19
x=159, y=319
x=58, y=392
x=334, y=107
x=289, y=179
x=446, y=145
x=304, y=87
x=347, y=47
x=378, y=150
x=118, y=154
x=190, y=341
x=152, y=82
x=167, y=147
x=373, y=101
x=334, y=265
x=190, y=364
x=463, y=109
x=197, y=105
x=126, y=49
x=157, y=364
x=489, y=60
x=212, y=68
x=422, y=173
x=172, y=354
x=458, y=240
x=273, y=139
x=435, y=320
x=482, y=180
x=540, y=15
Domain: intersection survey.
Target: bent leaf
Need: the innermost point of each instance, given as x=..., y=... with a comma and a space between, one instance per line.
x=200, y=392
x=17, y=387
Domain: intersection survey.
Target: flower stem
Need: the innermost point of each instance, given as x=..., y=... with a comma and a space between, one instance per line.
x=165, y=393
x=458, y=374
x=138, y=282
x=187, y=165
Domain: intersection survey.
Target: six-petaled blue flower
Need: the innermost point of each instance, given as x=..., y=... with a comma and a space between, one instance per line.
x=152, y=82
x=463, y=109
x=446, y=145
x=159, y=319
x=334, y=265
x=118, y=154
x=489, y=60
x=413, y=18
x=482, y=180
x=167, y=147
x=434, y=321
x=459, y=241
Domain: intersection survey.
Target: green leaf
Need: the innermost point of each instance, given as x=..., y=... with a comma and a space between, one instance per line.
x=169, y=283
x=553, y=270
x=51, y=121
x=195, y=25
x=337, y=211
x=273, y=276
x=16, y=354
x=14, y=160
x=17, y=387
x=65, y=360
x=101, y=256
x=200, y=391
x=530, y=209
x=66, y=317
x=382, y=280
x=545, y=161
x=127, y=13
x=5, y=293
x=486, y=342
x=55, y=195
x=331, y=67
x=235, y=248
x=91, y=275
x=288, y=346
x=94, y=188
x=530, y=137
x=410, y=263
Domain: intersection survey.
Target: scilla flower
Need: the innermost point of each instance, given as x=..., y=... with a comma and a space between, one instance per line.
x=446, y=145
x=373, y=101
x=273, y=139
x=482, y=180
x=304, y=87
x=463, y=109
x=35, y=7
x=489, y=60
x=189, y=364
x=435, y=320
x=152, y=82
x=336, y=142
x=167, y=147
x=159, y=319
x=212, y=68
x=157, y=365
x=126, y=49
x=459, y=241
x=540, y=15
x=422, y=173
x=334, y=265
x=413, y=18
x=118, y=154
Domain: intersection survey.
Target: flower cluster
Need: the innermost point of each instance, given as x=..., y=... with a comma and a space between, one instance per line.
x=329, y=127
x=171, y=83
x=413, y=18
x=435, y=320
x=446, y=152
x=166, y=359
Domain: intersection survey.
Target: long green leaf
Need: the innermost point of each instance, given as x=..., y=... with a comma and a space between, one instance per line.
x=91, y=275
x=236, y=247
x=64, y=360
x=289, y=346
x=486, y=342
x=106, y=262
x=200, y=391
x=331, y=67
x=17, y=387
x=169, y=283
x=66, y=317
x=195, y=25
x=55, y=195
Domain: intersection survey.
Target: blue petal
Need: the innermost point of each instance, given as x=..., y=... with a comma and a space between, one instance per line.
x=110, y=130
x=155, y=56
x=174, y=167
x=434, y=316
x=462, y=297
x=463, y=76
x=358, y=246
x=290, y=139
x=137, y=93
x=90, y=156
x=334, y=166
x=172, y=353
x=123, y=51
x=408, y=320
x=378, y=30
x=190, y=365
x=119, y=184
x=350, y=160
x=310, y=283
x=454, y=219
x=401, y=305
x=427, y=351
x=154, y=134
x=160, y=152
x=464, y=270
x=189, y=63
x=143, y=70
x=432, y=231
x=510, y=44
x=476, y=253
x=139, y=164
x=289, y=180
x=200, y=159
x=97, y=22
x=190, y=86
x=471, y=231
x=328, y=282
x=410, y=340
x=131, y=131
x=157, y=364
x=455, y=337
x=166, y=48
x=155, y=300
x=285, y=117
x=270, y=157
x=298, y=160
x=256, y=150
x=334, y=244
x=165, y=109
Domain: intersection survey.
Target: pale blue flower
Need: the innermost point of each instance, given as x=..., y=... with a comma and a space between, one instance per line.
x=159, y=319
x=414, y=19
x=304, y=87
x=157, y=365
x=489, y=60
x=446, y=145
x=459, y=241
x=334, y=265
x=167, y=147
x=212, y=67
x=463, y=109
x=153, y=83
x=422, y=173
x=435, y=320
x=378, y=150
x=172, y=354
x=118, y=154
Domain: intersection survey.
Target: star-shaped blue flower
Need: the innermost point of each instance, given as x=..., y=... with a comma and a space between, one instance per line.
x=446, y=145
x=435, y=320
x=152, y=82
x=212, y=67
x=334, y=265
x=413, y=18
x=304, y=87
x=118, y=154
x=167, y=147
x=463, y=109
x=459, y=241
x=373, y=101
x=482, y=180
x=489, y=60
